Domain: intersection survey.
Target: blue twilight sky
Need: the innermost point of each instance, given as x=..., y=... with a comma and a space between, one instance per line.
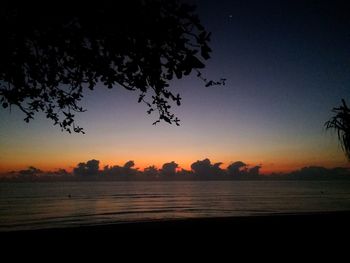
x=287, y=63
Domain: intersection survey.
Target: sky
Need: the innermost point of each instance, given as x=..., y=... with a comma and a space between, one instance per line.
x=287, y=64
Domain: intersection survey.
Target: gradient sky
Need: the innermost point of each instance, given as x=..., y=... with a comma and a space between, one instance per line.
x=287, y=63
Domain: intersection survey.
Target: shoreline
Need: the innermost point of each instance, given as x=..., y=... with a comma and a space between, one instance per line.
x=312, y=221
x=242, y=234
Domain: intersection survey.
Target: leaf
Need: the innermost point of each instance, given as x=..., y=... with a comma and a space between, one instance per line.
x=56, y=61
x=194, y=62
x=154, y=123
x=140, y=98
x=210, y=83
x=178, y=73
x=165, y=118
x=178, y=100
x=187, y=71
x=205, y=50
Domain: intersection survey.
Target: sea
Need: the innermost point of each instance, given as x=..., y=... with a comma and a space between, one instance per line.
x=39, y=205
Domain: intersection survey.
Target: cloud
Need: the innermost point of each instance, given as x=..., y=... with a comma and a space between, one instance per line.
x=89, y=168
x=237, y=168
x=128, y=165
x=241, y=170
x=169, y=169
x=30, y=172
x=35, y=174
x=151, y=171
x=120, y=171
x=128, y=168
x=200, y=170
x=204, y=168
x=254, y=171
x=319, y=173
x=62, y=172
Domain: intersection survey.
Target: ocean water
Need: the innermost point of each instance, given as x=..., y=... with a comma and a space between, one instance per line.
x=67, y=204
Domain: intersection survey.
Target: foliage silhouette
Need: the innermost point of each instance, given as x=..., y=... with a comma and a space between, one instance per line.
x=236, y=168
x=126, y=170
x=169, y=169
x=200, y=170
x=151, y=171
x=205, y=168
x=50, y=52
x=341, y=123
x=89, y=168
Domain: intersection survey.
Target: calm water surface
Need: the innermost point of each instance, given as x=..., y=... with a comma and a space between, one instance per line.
x=46, y=205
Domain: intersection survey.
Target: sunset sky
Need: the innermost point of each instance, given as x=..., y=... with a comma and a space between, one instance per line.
x=286, y=64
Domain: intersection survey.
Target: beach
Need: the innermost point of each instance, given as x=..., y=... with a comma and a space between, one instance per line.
x=284, y=236
x=292, y=224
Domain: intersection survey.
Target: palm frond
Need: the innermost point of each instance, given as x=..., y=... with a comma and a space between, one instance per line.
x=340, y=122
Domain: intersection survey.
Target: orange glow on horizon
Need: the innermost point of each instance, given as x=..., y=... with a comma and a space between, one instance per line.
x=267, y=168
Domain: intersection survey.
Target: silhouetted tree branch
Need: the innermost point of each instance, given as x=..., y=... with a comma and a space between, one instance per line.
x=50, y=53
x=341, y=123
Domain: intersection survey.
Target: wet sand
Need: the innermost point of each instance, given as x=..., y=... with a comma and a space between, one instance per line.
x=292, y=235
x=306, y=224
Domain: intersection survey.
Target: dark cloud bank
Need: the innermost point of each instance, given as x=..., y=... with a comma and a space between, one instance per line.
x=200, y=170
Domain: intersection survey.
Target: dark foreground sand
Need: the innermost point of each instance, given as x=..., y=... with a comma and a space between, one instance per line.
x=302, y=224
x=281, y=238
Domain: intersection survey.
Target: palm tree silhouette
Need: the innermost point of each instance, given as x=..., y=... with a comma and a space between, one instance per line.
x=341, y=123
